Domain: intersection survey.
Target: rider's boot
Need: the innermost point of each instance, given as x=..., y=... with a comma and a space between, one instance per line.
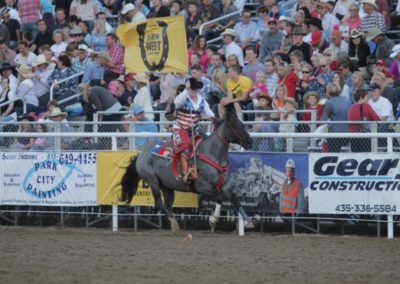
x=185, y=167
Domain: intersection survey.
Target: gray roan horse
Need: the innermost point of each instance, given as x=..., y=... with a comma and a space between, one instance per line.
x=212, y=179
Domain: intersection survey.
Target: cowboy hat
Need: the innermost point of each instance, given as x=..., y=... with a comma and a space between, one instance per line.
x=291, y=101
x=25, y=71
x=315, y=22
x=141, y=78
x=369, y=2
x=84, y=47
x=373, y=33
x=194, y=84
x=355, y=34
x=76, y=31
x=284, y=18
x=298, y=31
x=395, y=51
x=103, y=55
x=39, y=60
x=57, y=112
x=265, y=96
x=127, y=8
x=229, y=32
x=311, y=94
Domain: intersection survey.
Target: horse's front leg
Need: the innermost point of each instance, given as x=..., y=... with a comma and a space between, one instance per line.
x=213, y=220
x=227, y=190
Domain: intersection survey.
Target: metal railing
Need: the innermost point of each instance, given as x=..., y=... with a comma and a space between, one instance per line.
x=203, y=25
x=15, y=100
x=62, y=81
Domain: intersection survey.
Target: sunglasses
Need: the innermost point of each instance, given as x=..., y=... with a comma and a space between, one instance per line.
x=76, y=35
x=305, y=72
x=323, y=65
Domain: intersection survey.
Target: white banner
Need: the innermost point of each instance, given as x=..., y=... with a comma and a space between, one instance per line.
x=354, y=183
x=48, y=179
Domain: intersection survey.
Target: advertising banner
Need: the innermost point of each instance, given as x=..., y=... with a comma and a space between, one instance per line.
x=48, y=179
x=261, y=178
x=354, y=183
x=110, y=169
x=156, y=45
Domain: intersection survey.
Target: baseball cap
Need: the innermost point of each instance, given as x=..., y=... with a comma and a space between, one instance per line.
x=395, y=51
x=138, y=110
x=316, y=37
x=373, y=87
x=128, y=7
x=129, y=77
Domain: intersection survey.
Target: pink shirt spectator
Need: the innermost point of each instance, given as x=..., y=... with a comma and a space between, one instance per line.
x=258, y=89
x=29, y=11
x=395, y=69
x=203, y=59
x=352, y=23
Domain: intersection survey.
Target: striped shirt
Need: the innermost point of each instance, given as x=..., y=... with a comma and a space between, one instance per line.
x=373, y=20
x=271, y=82
x=29, y=11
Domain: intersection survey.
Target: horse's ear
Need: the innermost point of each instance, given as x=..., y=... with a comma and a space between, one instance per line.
x=230, y=111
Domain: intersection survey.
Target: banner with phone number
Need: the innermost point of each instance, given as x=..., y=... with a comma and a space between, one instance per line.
x=354, y=183
x=48, y=179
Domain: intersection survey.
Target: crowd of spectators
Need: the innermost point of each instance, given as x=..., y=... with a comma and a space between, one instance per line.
x=330, y=57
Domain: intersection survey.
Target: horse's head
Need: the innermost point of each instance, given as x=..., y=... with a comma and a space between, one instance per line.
x=236, y=131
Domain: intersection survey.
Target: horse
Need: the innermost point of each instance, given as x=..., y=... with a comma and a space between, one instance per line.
x=212, y=168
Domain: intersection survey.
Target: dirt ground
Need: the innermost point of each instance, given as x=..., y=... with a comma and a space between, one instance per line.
x=52, y=255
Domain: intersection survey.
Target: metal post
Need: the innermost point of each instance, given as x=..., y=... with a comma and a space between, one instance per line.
x=96, y=126
x=114, y=218
x=241, y=226
x=135, y=218
x=132, y=140
x=389, y=144
x=159, y=221
x=378, y=226
x=390, y=226
x=293, y=224
x=374, y=141
x=318, y=225
x=57, y=139
x=62, y=216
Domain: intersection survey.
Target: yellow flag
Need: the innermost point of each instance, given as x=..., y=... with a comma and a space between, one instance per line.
x=157, y=45
x=110, y=168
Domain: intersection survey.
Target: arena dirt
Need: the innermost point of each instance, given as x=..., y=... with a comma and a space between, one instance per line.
x=32, y=255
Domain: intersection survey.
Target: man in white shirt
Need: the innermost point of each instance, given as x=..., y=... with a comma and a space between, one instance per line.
x=25, y=56
x=381, y=105
x=230, y=46
x=40, y=80
x=338, y=44
x=328, y=20
x=132, y=14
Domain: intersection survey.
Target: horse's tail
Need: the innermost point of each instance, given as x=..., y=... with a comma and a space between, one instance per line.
x=129, y=182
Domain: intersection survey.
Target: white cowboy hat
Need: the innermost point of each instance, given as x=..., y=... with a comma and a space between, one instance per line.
x=284, y=18
x=25, y=71
x=370, y=2
x=128, y=7
x=57, y=112
x=230, y=32
x=85, y=48
x=39, y=60
x=141, y=77
x=395, y=51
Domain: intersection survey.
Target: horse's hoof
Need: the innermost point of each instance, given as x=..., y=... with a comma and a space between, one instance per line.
x=212, y=221
x=174, y=225
x=249, y=224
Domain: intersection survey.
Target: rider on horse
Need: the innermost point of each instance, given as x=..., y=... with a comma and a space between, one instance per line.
x=190, y=107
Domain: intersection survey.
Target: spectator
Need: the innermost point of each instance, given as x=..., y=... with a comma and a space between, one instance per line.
x=65, y=89
x=358, y=50
x=259, y=87
x=26, y=91
x=372, y=18
x=60, y=124
x=353, y=20
x=246, y=29
x=143, y=98
x=43, y=37
x=40, y=143
x=264, y=103
x=29, y=11
x=130, y=91
x=87, y=38
x=114, y=67
x=47, y=12
x=66, y=31
x=384, y=45
x=325, y=77
x=168, y=90
x=299, y=18
x=395, y=65
x=253, y=65
x=336, y=109
x=338, y=44
x=193, y=21
x=99, y=33
x=387, y=91
x=311, y=102
x=271, y=77
x=289, y=78
x=342, y=8
x=329, y=21
x=25, y=56
x=79, y=63
x=262, y=23
x=40, y=81
x=287, y=122
x=6, y=71
x=358, y=82
x=77, y=36
x=12, y=33
x=24, y=143
x=287, y=41
x=219, y=79
x=233, y=60
x=7, y=113
x=271, y=40
x=177, y=9
x=338, y=80
x=227, y=8
x=344, y=69
x=61, y=21
x=94, y=70
x=59, y=45
x=6, y=53
x=216, y=64
x=199, y=47
x=158, y=10
x=299, y=44
x=131, y=14
x=318, y=43
x=85, y=10
x=196, y=72
x=361, y=111
x=230, y=46
x=238, y=88
x=209, y=12
x=11, y=6
x=314, y=25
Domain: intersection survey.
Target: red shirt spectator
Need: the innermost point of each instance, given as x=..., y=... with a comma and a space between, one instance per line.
x=290, y=82
x=355, y=115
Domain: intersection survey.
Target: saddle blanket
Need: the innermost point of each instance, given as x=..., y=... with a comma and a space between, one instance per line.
x=164, y=151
